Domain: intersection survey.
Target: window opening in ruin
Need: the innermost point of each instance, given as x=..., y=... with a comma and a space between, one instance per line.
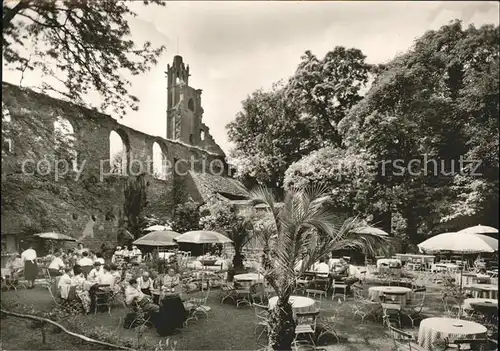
x=191, y=105
x=119, y=153
x=64, y=141
x=202, y=135
x=159, y=162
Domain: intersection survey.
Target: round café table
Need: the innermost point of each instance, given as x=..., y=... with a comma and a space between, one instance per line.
x=468, y=302
x=300, y=304
x=436, y=328
x=486, y=308
x=248, y=279
x=396, y=293
x=485, y=291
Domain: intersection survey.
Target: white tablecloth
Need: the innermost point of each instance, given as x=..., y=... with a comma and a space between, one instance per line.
x=434, y=329
x=444, y=267
x=395, y=293
x=388, y=262
x=485, y=291
x=467, y=302
x=252, y=277
x=469, y=279
x=300, y=304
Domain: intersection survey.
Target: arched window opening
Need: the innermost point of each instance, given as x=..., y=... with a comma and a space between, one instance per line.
x=64, y=141
x=191, y=105
x=202, y=135
x=118, y=153
x=159, y=162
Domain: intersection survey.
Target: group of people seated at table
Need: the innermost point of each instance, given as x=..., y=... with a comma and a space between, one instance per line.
x=134, y=255
x=325, y=266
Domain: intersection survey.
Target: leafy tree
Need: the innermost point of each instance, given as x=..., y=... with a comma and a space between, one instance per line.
x=269, y=135
x=303, y=224
x=186, y=217
x=135, y=201
x=223, y=217
x=438, y=101
x=327, y=88
x=85, y=44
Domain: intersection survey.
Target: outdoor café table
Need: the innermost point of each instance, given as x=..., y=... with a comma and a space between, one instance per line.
x=400, y=293
x=389, y=263
x=172, y=314
x=468, y=302
x=248, y=279
x=444, y=267
x=486, y=308
x=486, y=291
x=300, y=304
x=469, y=278
x=436, y=328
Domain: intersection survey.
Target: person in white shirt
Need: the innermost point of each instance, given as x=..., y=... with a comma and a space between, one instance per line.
x=117, y=256
x=145, y=283
x=95, y=273
x=136, y=254
x=106, y=278
x=56, y=266
x=65, y=283
x=133, y=294
x=85, y=261
x=30, y=266
x=80, y=249
x=125, y=253
x=322, y=269
x=99, y=258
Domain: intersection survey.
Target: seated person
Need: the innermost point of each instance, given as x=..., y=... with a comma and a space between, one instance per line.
x=81, y=289
x=136, y=254
x=99, y=258
x=16, y=265
x=65, y=283
x=322, y=268
x=80, y=249
x=117, y=255
x=145, y=283
x=85, y=261
x=106, y=278
x=56, y=266
x=171, y=280
x=95, y=273
x=133, y=294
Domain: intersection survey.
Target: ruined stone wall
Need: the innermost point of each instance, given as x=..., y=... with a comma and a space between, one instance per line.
x=90, y=205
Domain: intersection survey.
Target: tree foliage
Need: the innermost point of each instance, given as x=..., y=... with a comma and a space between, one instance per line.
x=134, y=204
x=278, y=127
x=426, y=110
x=84, y=44
x=224, y=218
x=186, y=217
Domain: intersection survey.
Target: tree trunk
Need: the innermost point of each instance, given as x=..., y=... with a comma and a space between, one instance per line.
x=281, y=325
x=9, y=14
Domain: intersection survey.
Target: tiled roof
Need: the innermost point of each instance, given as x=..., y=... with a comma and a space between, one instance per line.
x=208, y=185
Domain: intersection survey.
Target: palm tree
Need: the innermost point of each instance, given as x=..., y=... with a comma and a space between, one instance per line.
x=302, y=224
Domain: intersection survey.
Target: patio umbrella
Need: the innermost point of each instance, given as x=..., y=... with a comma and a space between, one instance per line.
x=203, y=237
x=370, y=230
x=479, y=229
x=156, y=227
x=459, y=243
x=54, y=236
x=158, y=238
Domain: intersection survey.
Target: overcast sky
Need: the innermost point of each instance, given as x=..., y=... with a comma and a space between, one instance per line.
x=234, y=48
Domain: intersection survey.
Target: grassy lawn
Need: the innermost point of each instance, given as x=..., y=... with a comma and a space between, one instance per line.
x=228, y=327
